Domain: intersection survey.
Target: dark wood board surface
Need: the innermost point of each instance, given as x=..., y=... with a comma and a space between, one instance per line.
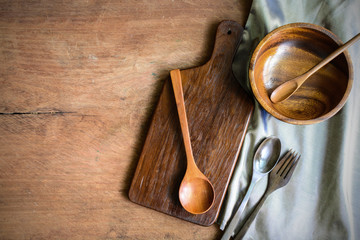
x=218, y=111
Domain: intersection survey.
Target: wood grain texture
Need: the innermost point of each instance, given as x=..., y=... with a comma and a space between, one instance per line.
x=290, y=51
x=196, y=193
x=218, y=112
x=78, y=84
x=286, y=89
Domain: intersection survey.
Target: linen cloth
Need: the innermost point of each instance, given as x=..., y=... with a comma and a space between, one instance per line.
x=321, y=201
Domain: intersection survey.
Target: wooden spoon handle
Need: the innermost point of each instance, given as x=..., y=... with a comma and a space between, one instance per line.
x=286, y=89
x=333, y=55
x=180, y=104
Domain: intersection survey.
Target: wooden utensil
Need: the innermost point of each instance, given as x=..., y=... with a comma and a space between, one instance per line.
x=218, y=112
x=196, y=192
x=285, y=90
x=289, y=51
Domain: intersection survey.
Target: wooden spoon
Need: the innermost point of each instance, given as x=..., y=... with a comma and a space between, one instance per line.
x=196, y=193
x=288, y=88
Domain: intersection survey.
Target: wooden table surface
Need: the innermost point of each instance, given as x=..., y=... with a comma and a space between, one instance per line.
x=78, y=84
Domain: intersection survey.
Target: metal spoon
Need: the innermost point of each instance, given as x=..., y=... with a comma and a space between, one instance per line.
x=288, y=88
x=196, y=192
x=265, y=159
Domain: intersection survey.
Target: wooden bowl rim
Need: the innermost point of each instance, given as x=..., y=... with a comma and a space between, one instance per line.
x=271, y=110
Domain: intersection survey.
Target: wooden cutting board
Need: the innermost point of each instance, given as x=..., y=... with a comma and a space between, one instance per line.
x=218, y=112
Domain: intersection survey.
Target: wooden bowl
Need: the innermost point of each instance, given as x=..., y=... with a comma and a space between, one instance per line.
x=290, y=51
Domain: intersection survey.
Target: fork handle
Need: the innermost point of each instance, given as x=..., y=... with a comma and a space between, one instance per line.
x=252, y=215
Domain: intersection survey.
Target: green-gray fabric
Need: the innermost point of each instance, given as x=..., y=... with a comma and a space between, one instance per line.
x=321, y=200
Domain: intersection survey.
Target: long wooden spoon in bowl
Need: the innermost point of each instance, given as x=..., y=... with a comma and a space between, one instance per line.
x=288, y=88
x=196, y=192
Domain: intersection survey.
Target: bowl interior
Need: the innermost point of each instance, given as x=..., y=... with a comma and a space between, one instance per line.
x=290, y=52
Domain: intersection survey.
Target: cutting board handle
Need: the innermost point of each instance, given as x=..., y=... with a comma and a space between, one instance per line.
x=228, y=36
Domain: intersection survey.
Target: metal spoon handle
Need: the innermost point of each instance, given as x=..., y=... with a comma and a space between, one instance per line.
x=230, y=230
x=252, y=216
x=180, y=104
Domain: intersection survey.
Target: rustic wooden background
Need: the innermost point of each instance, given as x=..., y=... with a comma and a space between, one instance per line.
x=78, y=83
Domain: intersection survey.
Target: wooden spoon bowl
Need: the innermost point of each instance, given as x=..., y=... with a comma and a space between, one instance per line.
x=290, y=51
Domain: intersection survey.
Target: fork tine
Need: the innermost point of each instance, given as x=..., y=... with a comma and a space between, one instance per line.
x=289, y=162
x=280, y=164
x=286, y=159
x=293, y=166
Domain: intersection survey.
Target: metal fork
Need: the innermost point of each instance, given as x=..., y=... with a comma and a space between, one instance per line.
x=278, y=178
